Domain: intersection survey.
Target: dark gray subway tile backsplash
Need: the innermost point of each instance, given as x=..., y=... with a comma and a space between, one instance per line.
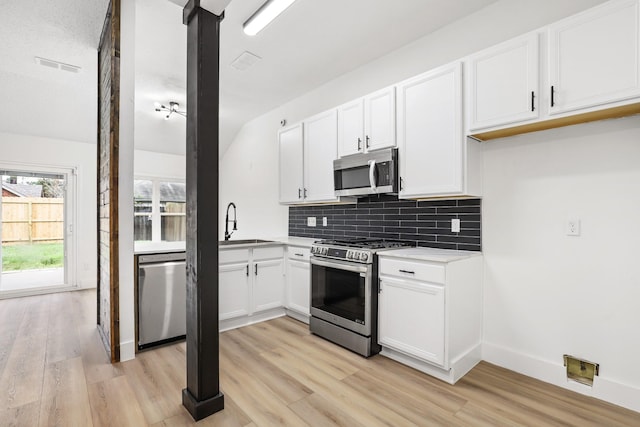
x=426, y=223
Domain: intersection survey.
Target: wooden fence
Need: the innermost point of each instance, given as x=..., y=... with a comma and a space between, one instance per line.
x=32, y=220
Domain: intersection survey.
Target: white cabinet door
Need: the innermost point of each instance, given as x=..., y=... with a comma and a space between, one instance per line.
x=233, y=290
x=320, y=150
x=291, y=164
x=430, y=135
x=594, y=57
x=299, y=286
x=503, y=83
x=380, y=119
x=350, y=128
x=268, y=285
x=412, y=319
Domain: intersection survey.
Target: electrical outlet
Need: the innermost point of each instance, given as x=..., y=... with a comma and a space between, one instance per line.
x=324, y=221
x=311, y=221
x=573, y=227
x=455, y=225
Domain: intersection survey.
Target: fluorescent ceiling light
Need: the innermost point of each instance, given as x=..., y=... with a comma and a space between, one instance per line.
x=263, y=16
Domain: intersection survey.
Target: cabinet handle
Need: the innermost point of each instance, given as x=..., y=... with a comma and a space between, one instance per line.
x=401, y=183
x=533, y=97
x=299, y=193
x=367, y=141
x=305, y=193
x=255, y=269
x=359, y=144
x=407, y=271
x=247, y=270
x=552, y=96
x=298, y=254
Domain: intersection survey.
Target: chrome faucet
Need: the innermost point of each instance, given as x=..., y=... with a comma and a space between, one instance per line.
x=227, y=235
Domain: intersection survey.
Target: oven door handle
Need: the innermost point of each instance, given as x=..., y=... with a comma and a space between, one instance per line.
x=341, y=265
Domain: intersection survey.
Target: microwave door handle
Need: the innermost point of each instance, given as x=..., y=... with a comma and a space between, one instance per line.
x=372, y=174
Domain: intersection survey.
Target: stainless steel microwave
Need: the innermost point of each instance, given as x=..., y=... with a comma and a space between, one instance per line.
x=360, y=174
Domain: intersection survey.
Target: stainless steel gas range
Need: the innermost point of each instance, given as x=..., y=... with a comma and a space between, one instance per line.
x=344, y=292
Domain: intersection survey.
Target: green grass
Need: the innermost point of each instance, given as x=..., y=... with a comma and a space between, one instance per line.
x=30, y=257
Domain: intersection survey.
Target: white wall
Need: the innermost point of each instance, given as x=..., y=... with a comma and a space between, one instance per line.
x=546, y=294
x=159, y=165
x=249, y=178
x=38, y=151
x=549, y=294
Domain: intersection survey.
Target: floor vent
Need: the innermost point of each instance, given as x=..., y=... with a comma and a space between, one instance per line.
x=57, y=65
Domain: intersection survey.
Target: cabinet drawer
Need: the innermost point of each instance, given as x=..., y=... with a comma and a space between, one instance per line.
x=425, y=272
x=228, y=256
x=301, y=254
x=269, y=252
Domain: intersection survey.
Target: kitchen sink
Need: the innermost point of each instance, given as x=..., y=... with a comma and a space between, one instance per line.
x=243, y=242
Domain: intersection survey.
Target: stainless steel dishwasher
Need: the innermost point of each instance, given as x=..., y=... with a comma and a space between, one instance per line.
x=162, y=298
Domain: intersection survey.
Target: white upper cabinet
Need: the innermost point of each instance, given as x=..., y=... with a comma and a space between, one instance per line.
x=320, y=150
x=291, y=164
x=503, y=83
x=367, y=123
x=594, y=57
x=307, y=152
x=380, y=119
x=432, y=149
x=350, y=127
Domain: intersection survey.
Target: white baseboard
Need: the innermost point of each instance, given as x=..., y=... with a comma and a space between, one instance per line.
x=606, y=389
x=304, y=318
x=238, y=322
x=127, y=350
x=457, y=370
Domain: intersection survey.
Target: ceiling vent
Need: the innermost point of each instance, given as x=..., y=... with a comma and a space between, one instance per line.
x=245, y=60
x=57, y=65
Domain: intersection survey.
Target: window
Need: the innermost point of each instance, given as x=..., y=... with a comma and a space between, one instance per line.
x=159, y=210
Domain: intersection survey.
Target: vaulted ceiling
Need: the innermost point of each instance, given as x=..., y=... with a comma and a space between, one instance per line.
x=309, y=44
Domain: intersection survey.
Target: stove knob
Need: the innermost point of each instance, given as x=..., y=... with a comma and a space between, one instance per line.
x=364, y=256
x=313, y=249
x=325, y=251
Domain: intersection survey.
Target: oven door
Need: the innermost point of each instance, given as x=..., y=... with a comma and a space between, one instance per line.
x=341, y=293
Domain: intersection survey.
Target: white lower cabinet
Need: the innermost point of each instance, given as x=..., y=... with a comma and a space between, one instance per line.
x=403, y=305
x=251, y=283
x=268, y=286
x=298, y=282
x=233, y=290
x=430, y=310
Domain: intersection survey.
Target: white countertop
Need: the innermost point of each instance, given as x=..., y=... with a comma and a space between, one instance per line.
x=429, y=254
x=144, y=248
x=296, y=241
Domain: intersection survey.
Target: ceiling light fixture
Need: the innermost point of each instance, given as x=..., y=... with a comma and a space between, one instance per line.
x=263, y=16
x=172, y=108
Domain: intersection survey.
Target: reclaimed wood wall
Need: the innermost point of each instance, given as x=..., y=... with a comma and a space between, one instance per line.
x=108, y=133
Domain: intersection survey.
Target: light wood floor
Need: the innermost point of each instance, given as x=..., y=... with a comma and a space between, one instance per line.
x=53, y=372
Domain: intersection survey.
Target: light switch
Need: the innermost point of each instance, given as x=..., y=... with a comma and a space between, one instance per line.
x=311, y=221
x=455, y=225
x=324, y=221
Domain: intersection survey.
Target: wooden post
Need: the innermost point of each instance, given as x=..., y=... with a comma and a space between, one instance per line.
x=202, y=397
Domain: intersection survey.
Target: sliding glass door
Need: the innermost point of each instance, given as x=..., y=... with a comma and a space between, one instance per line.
x=35, y=231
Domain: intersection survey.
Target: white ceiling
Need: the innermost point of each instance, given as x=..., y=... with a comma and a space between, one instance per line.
x=309, y=44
